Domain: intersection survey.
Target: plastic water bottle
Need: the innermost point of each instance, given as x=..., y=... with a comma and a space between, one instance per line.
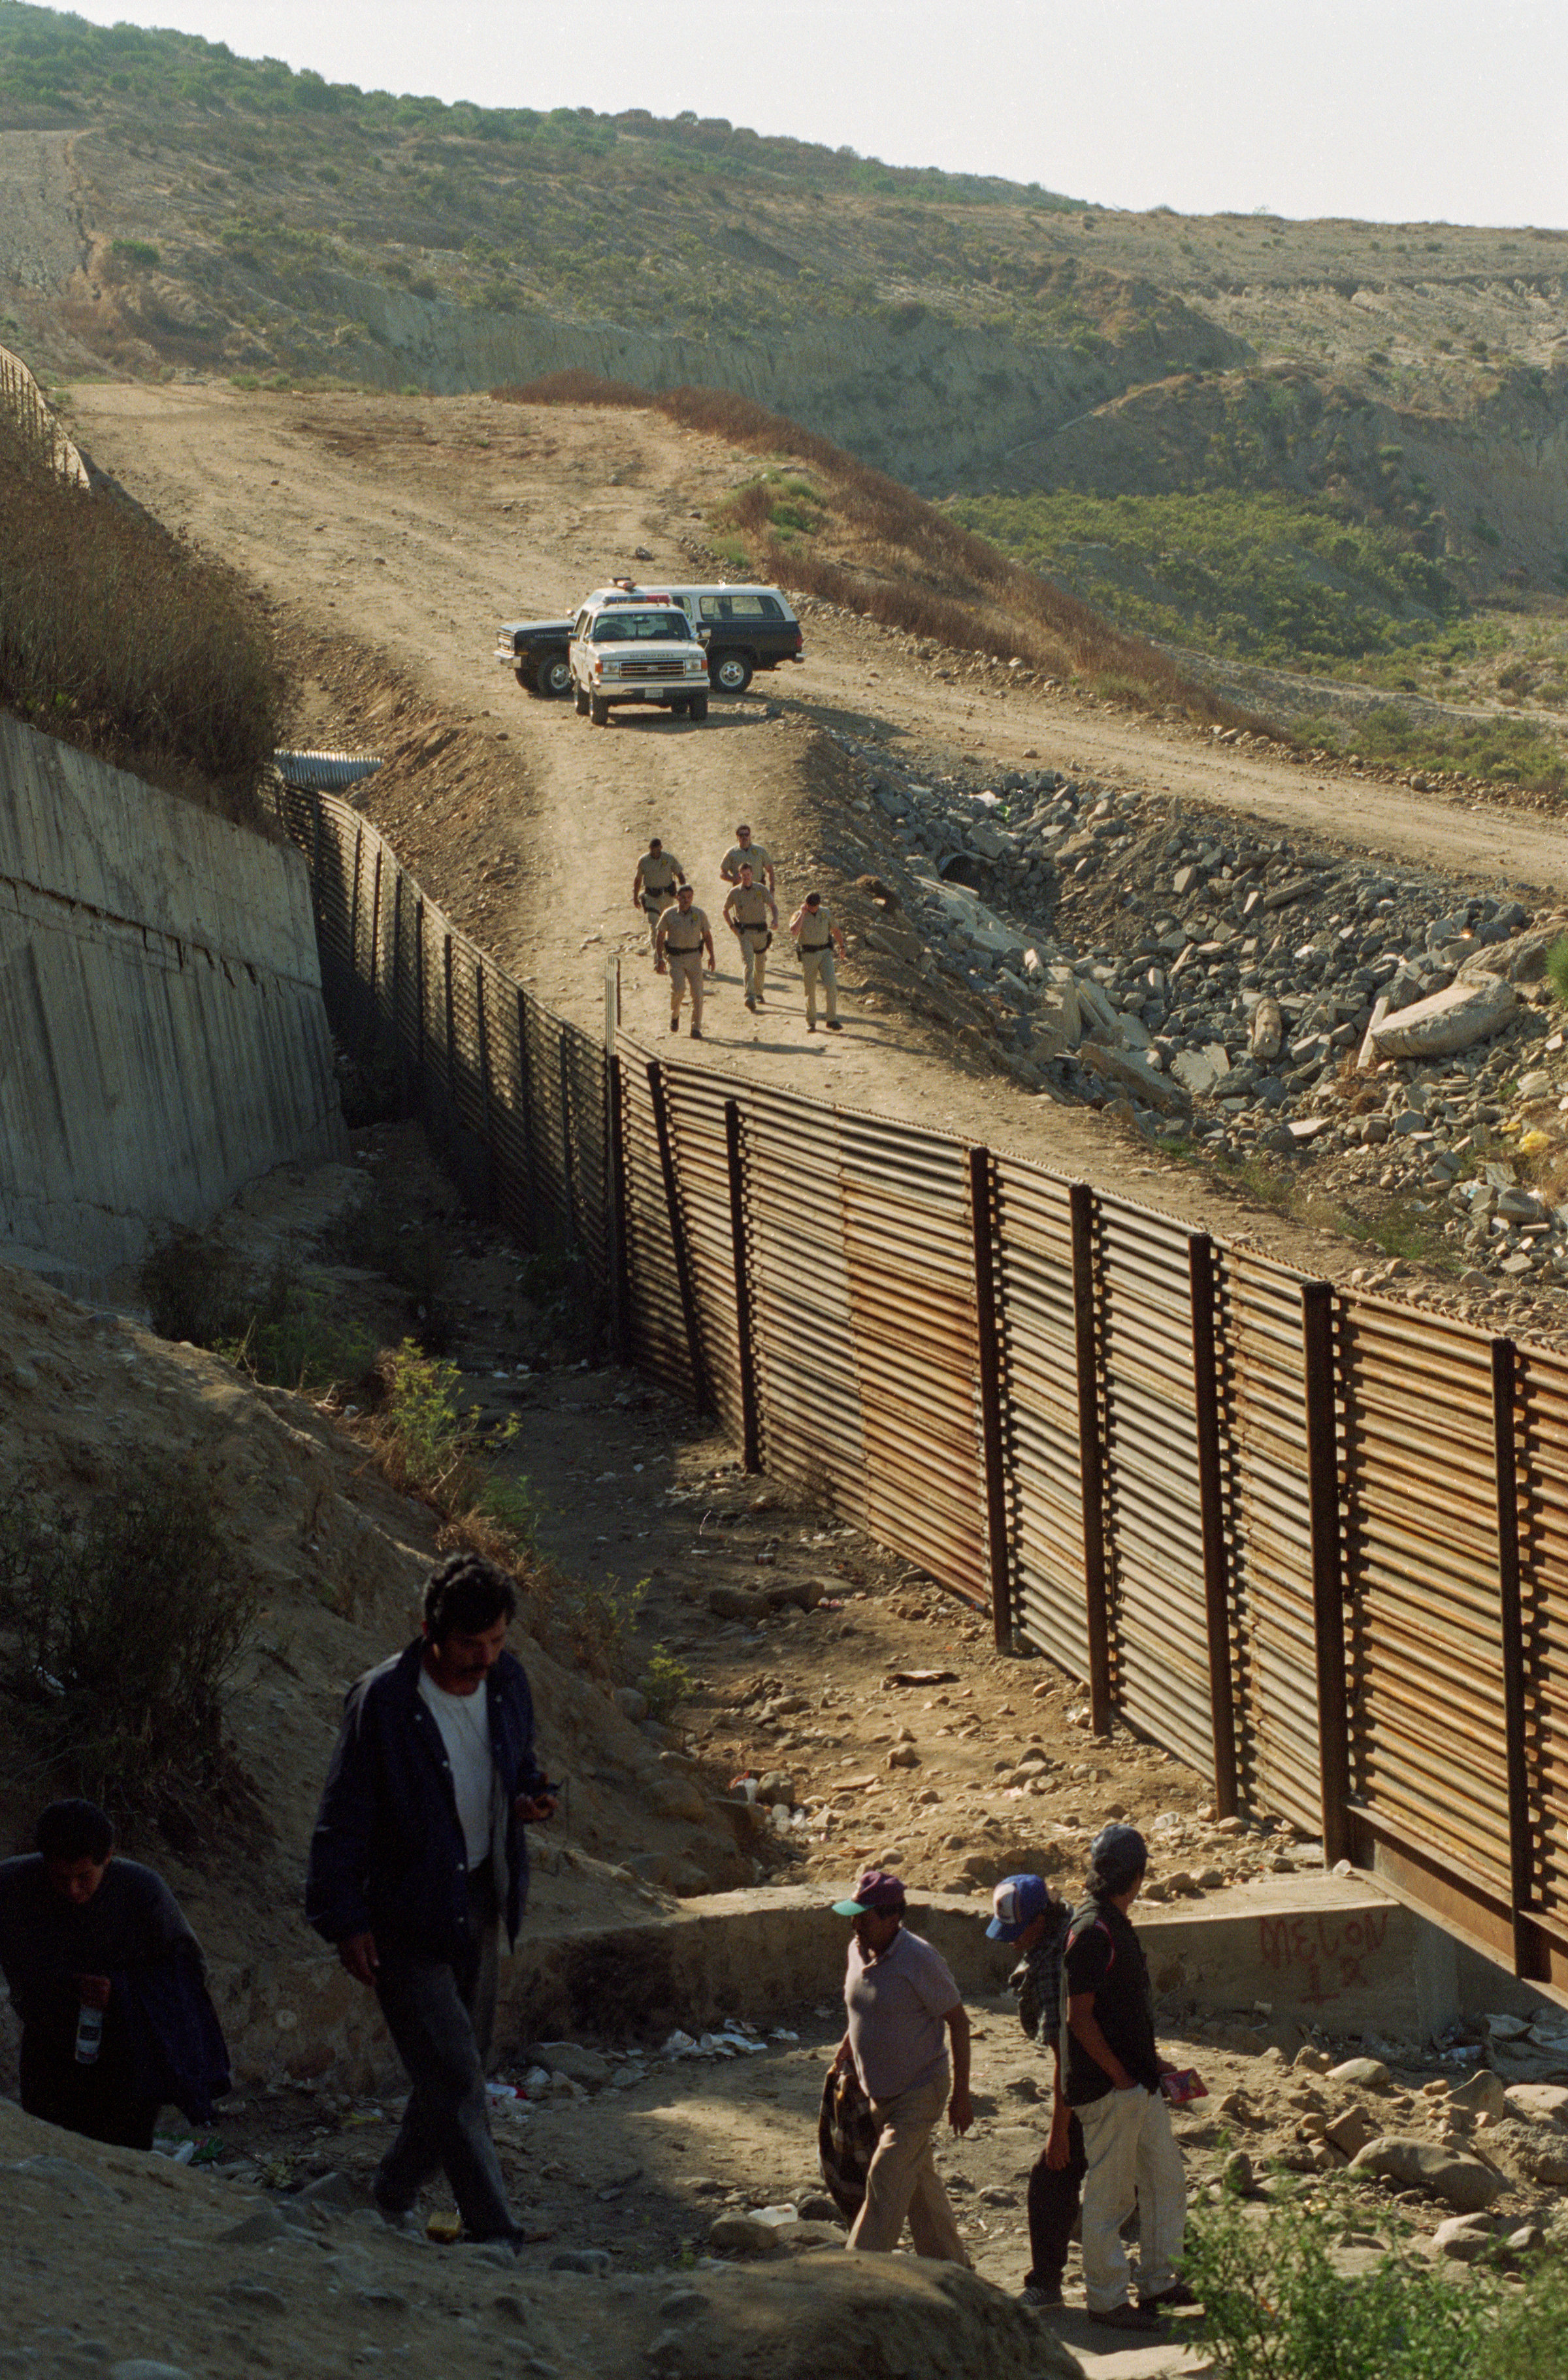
x=88, y=2034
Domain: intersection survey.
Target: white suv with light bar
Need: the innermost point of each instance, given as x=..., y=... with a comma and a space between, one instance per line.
x=629, y=646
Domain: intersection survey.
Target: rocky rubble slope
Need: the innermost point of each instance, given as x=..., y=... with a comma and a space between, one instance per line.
x=1363, y=1029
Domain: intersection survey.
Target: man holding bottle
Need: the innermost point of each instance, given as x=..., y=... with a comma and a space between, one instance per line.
x=108, y=1981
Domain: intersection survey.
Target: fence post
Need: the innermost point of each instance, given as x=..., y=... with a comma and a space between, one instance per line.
x=451, y=1020
x=421, y=990
x=1520, y=1844
x=395, y=1001
x=618, y=1283
x=677, y=1233
x=525, y=1111
x=492, y=1183
x=1216, y=1565
x=1328, y=1586
x=354, y=904
x=1091, y=1473
x=376, y=935
x=568, y=1184
x=751, y=1444
x=988, y=1350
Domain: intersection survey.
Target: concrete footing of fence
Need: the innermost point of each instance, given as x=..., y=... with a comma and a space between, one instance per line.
x=1268, y=1960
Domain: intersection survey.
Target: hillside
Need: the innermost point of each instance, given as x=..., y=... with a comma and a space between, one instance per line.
x=1383, y=408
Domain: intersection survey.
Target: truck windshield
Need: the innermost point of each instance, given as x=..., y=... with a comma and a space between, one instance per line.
x=633, y=627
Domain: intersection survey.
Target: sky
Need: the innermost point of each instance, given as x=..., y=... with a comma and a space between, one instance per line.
x=1397, y=110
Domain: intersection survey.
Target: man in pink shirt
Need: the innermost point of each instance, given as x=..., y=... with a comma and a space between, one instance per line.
x=903, y=2007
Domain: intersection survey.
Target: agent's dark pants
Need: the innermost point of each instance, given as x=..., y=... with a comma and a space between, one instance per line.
x=1054, y=2210
x=96, y=2101
x=441, y=2014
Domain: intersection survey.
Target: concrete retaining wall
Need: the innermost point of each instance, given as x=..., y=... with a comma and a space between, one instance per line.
x=162, y=1039
x=1270, y=1959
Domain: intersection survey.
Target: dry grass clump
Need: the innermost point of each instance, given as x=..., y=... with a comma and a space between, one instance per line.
x=117, y=637
x=913, y=568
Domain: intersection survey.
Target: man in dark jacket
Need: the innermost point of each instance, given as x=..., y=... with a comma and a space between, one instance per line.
x=109, y=1983
x=418, y=1854
x=1027, y=1914
x=1114, y=2086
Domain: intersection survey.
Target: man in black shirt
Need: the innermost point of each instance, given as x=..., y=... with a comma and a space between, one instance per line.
x=1029, y=1914
x=1113, y=2085
x=108, y=1981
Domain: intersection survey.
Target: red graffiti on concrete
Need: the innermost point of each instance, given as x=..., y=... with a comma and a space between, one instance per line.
x=1331, y=1950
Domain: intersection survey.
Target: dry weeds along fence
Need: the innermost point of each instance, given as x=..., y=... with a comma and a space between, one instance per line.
x=1313, y=1543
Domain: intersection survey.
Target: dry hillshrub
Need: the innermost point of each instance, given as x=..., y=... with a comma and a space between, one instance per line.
x=117, y=637
x=922, y=572
x=120, y=1627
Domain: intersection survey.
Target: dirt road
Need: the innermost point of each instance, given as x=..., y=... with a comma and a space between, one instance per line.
x=393, y=534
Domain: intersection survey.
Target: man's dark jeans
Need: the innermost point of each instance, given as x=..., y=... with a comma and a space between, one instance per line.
x=441, y=2014
x=1054, y=2209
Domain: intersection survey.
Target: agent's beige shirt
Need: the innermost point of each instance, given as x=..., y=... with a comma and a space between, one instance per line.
x=816, y=932
x=749, y=905
x=659, y=875
x=684, y=934
x=739, y=856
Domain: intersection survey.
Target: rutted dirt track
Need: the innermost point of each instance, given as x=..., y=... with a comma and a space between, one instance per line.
x=391, y=535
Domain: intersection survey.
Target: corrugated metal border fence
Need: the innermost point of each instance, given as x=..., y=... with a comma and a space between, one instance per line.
x=1314, y=1544
x=21, y=397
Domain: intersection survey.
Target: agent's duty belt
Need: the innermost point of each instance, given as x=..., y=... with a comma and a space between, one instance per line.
x=815, y=948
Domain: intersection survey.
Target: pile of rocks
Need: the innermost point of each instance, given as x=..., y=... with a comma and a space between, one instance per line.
x=1218, y=983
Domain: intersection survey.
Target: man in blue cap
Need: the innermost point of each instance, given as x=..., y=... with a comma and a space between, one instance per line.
x=903, y=2007
x=1027, y=1914
x=1113, y=2085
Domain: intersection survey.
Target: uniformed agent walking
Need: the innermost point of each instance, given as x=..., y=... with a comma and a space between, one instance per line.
x=751, y=913
x=815, y=933
x=744, y=852
x=653, y=887
x=681, y=936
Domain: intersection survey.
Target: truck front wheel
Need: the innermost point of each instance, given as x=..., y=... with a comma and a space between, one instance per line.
x=598, y=710
x=731, y=672
x=552, y=675
x=580, y=695
x=700, y=706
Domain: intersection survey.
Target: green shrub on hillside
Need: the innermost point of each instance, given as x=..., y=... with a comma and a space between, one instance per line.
x=1260, y=577
x=115, y=636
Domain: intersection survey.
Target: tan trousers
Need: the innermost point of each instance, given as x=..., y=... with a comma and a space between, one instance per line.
x=754, y=957
x=1133, y=2159
x=903, y=2179
x=654, y=907
x=685, y=968
x=818, y=969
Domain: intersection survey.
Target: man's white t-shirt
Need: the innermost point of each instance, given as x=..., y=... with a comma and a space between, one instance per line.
x=463, y=1721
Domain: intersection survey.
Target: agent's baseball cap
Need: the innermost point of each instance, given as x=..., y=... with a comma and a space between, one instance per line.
x=1017, y=1901
x=877, y=1894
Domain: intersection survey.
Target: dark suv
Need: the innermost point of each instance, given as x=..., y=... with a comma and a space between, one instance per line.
x=744, y=628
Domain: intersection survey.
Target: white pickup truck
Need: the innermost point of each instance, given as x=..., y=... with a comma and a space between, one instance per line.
x=636, y=647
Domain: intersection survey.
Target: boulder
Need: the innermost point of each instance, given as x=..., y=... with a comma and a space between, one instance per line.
x=588, y=2066
x=1351, y=2132
x=1098, y=1018
x=736, y=1603
x=1266, y=1030
x=745, y=2235
x=1520, y=960
x=678, y=1798
x=1360, y=2073
x=1451, y=1020
x=1130, y=1073
x=1464, y=2238
x=1461, y=2182
x=1537, y=2103
x=1483, y=2095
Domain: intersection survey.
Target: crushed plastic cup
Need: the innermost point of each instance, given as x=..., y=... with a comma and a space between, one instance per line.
x=679, y=2045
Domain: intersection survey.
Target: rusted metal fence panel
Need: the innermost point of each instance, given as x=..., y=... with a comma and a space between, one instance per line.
x=1154, y=1519
x=908, y=1244
x=1542, y=1508
x=810, y=1424
x=697, y=1116
x=659, y=1338
x=1264, y=1483
x=1427, y=1722
x=1044, y=1482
